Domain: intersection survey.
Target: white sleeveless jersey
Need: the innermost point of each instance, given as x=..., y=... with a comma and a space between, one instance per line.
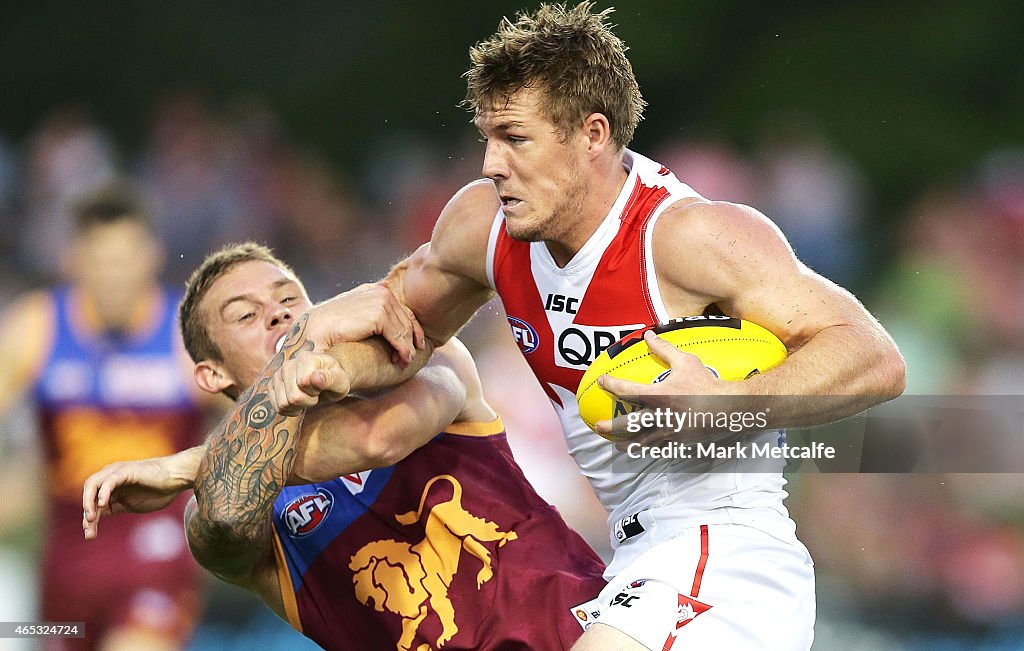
x=562, y=318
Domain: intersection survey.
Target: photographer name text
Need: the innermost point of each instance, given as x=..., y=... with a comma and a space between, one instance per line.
x=734, y=450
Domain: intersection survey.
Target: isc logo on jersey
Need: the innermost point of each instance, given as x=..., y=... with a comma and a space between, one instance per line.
x=305, y=514
x=576, y=344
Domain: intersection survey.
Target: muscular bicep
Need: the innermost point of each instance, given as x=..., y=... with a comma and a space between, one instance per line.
x=361, y=434
x=797, y=305
x=445, y=281
x=734, y=257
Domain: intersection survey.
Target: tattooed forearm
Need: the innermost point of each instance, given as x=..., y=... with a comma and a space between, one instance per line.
x=249, y=457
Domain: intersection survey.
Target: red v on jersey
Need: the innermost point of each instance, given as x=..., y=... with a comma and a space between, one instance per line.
x=523, y=304
x=611, y=296
x=563, y=318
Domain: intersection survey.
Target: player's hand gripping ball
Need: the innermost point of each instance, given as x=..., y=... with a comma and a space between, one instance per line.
x=730, y=348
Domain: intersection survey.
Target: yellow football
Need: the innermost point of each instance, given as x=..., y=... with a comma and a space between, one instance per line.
x=731, y=348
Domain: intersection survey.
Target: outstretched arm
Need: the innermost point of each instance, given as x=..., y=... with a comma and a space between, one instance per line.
x=26, y=334
x=336, y=439
x=139, y=486
x=443, y=283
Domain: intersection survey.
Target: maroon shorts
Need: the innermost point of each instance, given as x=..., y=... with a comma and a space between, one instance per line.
x=137, y=575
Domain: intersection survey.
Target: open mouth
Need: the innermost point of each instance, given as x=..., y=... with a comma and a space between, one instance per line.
x=509, y=202
x=280, y=343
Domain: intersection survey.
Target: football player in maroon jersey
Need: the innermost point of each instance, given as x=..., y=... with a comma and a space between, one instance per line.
x=410, y=523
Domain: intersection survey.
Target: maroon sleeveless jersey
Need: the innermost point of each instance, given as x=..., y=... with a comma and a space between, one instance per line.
x=102, y=398
x=451, y=548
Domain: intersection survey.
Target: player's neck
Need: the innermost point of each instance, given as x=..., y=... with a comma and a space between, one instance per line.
x=598, y=200
x=134, y=317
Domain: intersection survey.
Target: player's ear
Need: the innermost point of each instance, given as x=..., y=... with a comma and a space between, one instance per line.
x=212, y=377
x=598, y=132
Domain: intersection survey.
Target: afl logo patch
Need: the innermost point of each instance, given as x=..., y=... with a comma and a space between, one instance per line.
x=524, y=334
x=305, y=514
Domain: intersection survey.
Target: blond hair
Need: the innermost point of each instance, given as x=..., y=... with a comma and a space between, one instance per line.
x=572, y=56
x=194, y=333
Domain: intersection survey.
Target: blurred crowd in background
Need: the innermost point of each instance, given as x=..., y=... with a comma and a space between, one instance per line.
x=903, y=561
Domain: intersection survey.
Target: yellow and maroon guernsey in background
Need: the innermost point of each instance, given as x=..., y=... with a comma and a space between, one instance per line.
x=105, y=397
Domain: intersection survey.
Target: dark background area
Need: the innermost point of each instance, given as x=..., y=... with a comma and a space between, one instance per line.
x=915, y=92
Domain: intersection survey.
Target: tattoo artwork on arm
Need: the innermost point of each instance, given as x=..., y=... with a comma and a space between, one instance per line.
x=248, y=460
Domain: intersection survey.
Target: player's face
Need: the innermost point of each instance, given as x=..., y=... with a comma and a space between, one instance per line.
x=535, y=168
x=115, y=264
x=247, y=310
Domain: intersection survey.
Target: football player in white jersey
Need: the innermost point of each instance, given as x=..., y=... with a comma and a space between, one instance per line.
x=708, y=558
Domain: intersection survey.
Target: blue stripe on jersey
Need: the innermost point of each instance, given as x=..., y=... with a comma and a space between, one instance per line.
x=114, y=371
x=305, y=523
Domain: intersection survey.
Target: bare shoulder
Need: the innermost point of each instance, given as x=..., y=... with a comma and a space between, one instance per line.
x=710, y=245
x=461, y=232
x=26, y=332
x=734, y=257
x=468, y=214
x=445, y=281
x=261, y=577
x=33, y=308
x=716, y=227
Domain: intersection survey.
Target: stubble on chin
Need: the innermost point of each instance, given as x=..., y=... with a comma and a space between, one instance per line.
x=552, y=226
x=522, y=232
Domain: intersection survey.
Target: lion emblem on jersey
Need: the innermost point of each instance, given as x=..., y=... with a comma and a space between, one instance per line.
x=412, y=579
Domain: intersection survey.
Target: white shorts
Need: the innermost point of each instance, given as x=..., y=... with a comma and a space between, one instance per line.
x=716, y=586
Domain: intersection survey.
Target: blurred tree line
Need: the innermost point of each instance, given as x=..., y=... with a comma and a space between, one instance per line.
x=913, y=92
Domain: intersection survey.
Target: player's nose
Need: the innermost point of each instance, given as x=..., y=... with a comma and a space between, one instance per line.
x=495, y=166
x=278, y=315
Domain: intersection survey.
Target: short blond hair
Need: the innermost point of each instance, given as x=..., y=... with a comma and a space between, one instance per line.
x=572, y=56
x=194, y=333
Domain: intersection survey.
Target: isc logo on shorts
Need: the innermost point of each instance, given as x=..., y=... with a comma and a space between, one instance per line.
x=305, y=514
x=628, y=527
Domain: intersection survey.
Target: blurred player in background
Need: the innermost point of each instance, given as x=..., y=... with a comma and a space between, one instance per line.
x=102, y=360
x=448, y=546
